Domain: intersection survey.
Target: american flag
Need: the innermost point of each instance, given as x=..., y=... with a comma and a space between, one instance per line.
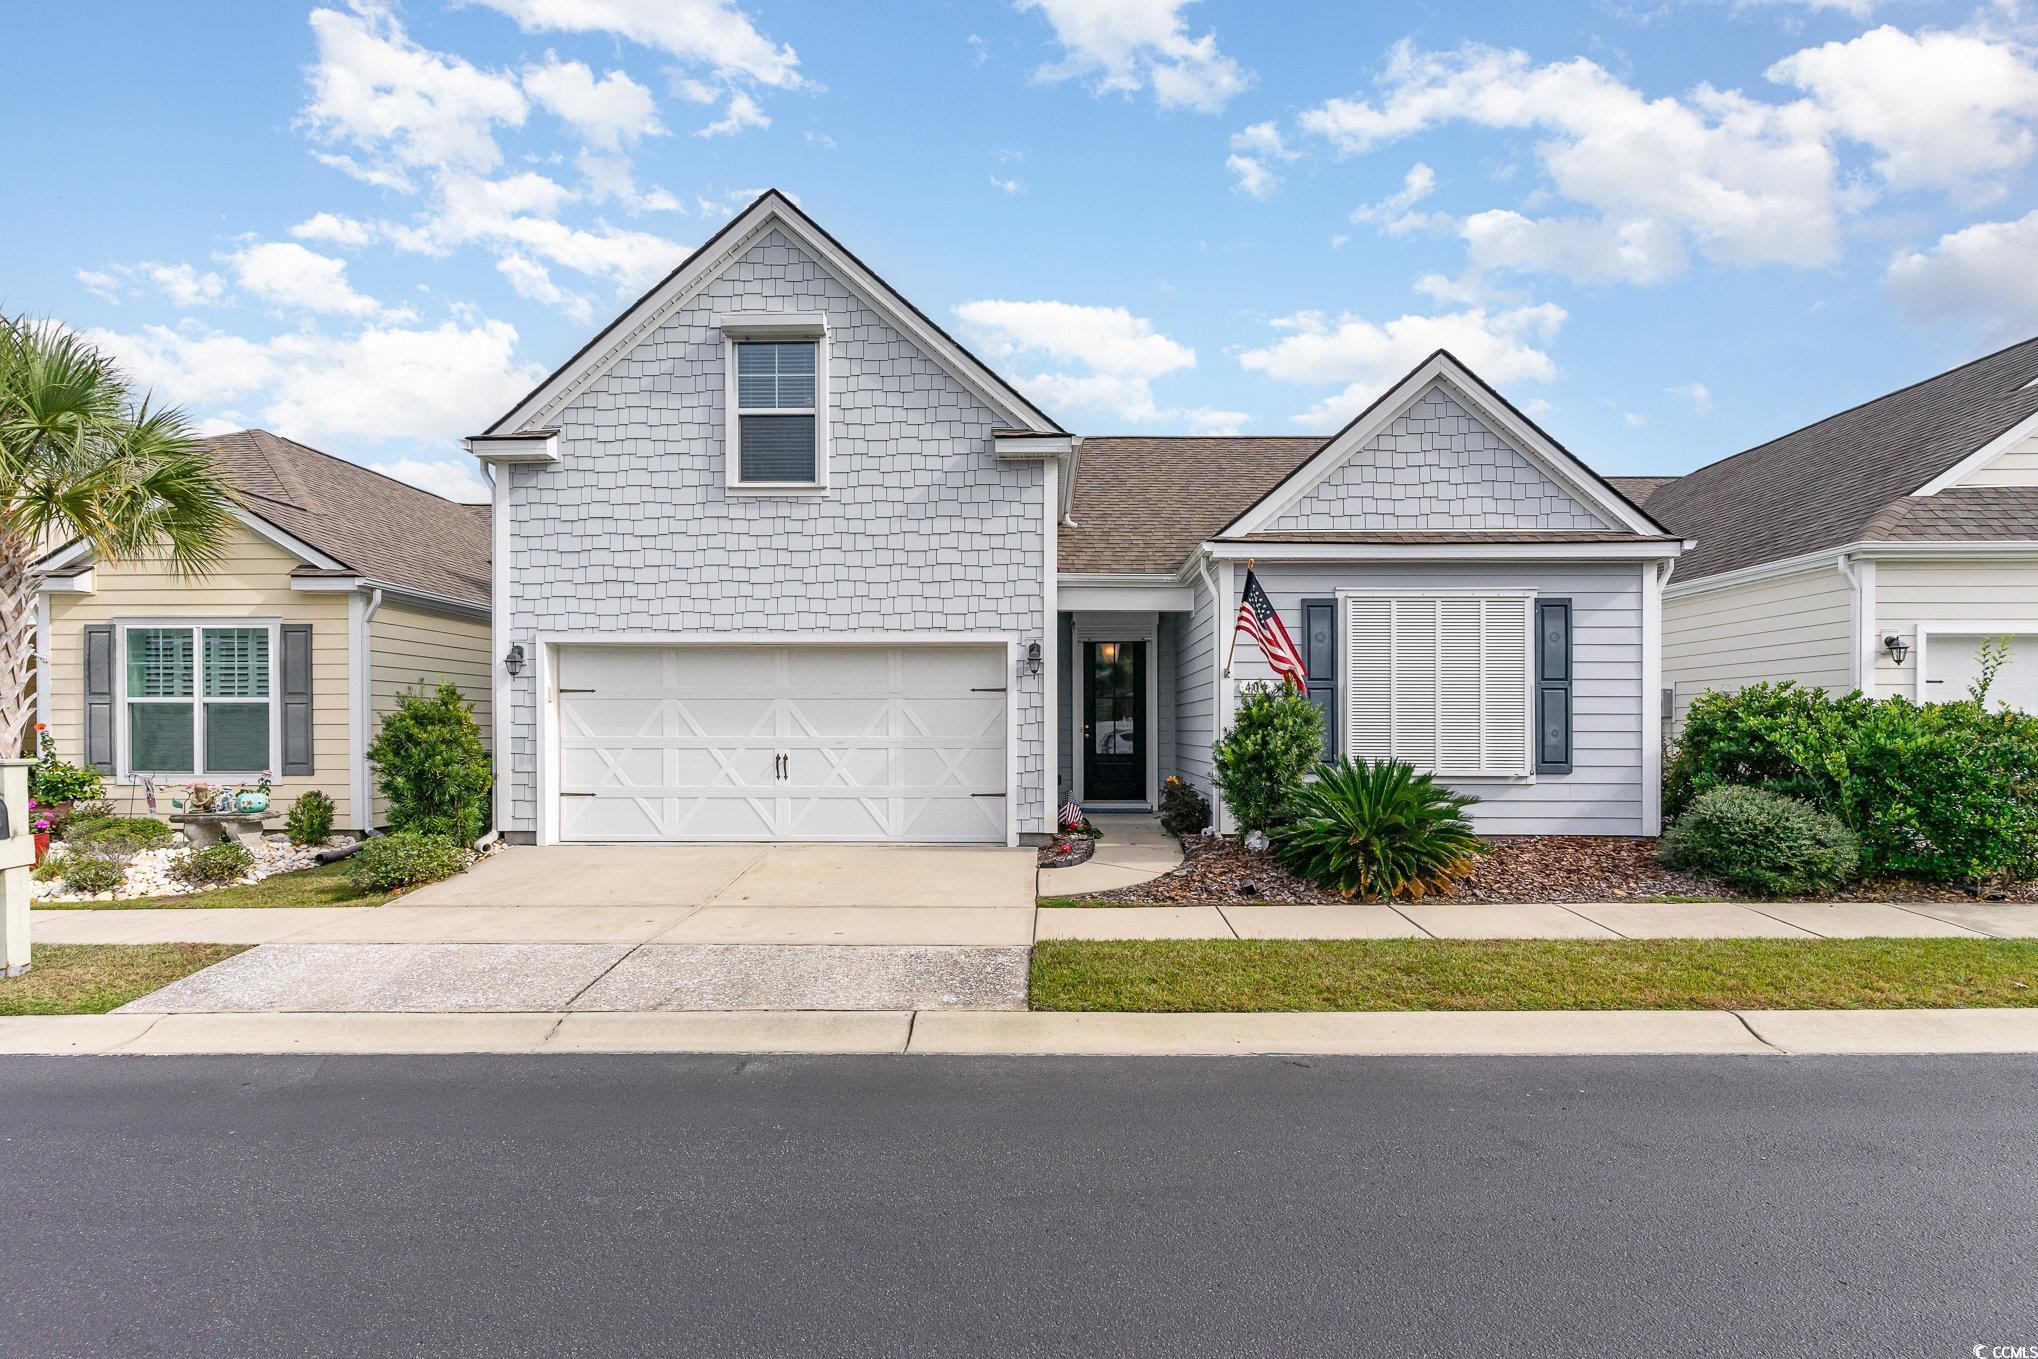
x=1257, y=620
x=1072, y=814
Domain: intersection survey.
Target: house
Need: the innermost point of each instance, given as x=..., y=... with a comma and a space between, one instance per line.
x=340, y=588
x=776, y=558
x=1873, y=550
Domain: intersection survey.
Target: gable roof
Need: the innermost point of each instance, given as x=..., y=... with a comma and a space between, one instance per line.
x=768, y=209
x=1143, y=503
x=1847, y=478
x=1639, y=489
x=384, y=530
x=1444, y=369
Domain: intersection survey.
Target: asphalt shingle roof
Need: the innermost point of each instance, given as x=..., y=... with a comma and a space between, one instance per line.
x=1849, y=477
x=1142, y=504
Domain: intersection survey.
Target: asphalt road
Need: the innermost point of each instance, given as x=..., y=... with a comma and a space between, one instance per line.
x=927, y=1206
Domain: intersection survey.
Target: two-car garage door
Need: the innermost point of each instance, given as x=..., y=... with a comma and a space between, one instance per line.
x=901, y=743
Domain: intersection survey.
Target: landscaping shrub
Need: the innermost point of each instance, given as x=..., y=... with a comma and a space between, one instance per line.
x=311, y=819
x=1762, y=842
x=117, y=836
x=1945, y=791
x=1377, y=830
x=405, y=859
x=431, y=767
x=82, y=871
x=1184, y=811
x=1785, y=737
x=227, y=861
x=51, y=780
x=1259, y=765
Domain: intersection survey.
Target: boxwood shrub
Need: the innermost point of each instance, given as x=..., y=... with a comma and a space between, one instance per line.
x=404, y=859
x=1762, y=843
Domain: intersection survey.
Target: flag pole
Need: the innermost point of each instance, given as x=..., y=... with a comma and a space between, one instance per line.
x=1232, y=650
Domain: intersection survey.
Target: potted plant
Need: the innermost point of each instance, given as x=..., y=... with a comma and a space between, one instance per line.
x=253, y=801
x=41, y=825
x=54, y=784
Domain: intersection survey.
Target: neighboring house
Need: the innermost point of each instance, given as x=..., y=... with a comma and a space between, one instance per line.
x=777, y=559
x=340, y=588
x=1874, y=550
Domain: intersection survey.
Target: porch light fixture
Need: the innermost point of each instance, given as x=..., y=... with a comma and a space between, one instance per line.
x=1033, y=658
x=1107, y=652
x=1898, y=648
x=514, y=661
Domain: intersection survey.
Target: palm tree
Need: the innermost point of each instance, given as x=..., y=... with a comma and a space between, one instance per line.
x=83, y=459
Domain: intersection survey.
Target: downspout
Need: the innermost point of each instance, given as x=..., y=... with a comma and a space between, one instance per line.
x=364, y=688
x=1216, y=613
x=1862, y=620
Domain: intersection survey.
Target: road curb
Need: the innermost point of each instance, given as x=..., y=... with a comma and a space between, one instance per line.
x=1630, y=1033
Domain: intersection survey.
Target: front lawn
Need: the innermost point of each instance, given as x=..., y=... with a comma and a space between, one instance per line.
x=1182, y=975
x=90, y=979
x=325, y=885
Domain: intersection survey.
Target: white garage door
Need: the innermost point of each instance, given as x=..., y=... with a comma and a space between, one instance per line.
x=782, y=743
x=1953, y=664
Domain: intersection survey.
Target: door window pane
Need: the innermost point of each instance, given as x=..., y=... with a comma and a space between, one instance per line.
x=1113, y=731
x=159, y=662
x=236, y=738
x=237, y=663
x=160, y=738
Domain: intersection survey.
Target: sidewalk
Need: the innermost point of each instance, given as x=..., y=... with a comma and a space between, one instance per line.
x=1759, y=1033
x=1131, y=849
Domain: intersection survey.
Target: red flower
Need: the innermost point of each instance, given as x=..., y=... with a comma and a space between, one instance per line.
x=41, y=727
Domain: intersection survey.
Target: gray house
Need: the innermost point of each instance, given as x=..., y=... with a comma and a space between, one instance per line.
x=777, y=559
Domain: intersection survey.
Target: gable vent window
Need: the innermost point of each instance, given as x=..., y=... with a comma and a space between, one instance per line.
x=778, y=413
x=1442, y=682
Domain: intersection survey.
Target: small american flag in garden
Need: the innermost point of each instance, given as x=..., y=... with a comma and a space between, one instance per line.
x=1257, y=620
x=1071, y=814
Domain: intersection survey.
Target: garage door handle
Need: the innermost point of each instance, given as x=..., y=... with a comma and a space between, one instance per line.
x=576, y=691
x=576, y=795
x=999, y=690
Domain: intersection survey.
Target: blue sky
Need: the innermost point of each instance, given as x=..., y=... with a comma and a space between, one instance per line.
x=1668, y=230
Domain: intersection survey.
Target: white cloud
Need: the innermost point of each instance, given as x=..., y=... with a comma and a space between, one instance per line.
x=285, y=274
x=1501, y=346
x=1984, y=274
x=1116, y=355
x=1941, y=110
x=394, y=101
x=709, y=33
x=820, y=139
x=606, y=113
x=100, y=283
x=742, y=112
x=384, y=382
x=1008, y=187
x=1395, y=214
x=183, y=284
x=1583, y=249
x=456, y=481
x=978, y=51
x=334, y=229
x=1696, y=395
x=1633, y=420
x=534, y=281
x=1210, y=420
x=1253, y=149
x=1129, y=45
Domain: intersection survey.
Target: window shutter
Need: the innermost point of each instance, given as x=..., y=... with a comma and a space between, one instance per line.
x=297, y=758
x=1553, y=686
x=1319, y=655
x=1441, y=682
x=99, y=697
x=1368, y=678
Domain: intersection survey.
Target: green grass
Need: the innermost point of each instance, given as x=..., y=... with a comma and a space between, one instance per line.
x=1178, y=975
x=90, y=979
x=325, y=885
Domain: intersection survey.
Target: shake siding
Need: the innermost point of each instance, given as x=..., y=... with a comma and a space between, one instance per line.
x=1602, y=794
x=254, y=583
x=2015, y=467
x=1984, y=598
x=408, y=647
x=1195, y=696
x=1796, y=627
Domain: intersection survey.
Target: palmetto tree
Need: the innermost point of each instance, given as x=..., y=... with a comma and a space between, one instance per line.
x=84, y=459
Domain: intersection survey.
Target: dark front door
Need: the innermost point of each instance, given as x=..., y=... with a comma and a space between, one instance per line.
x=1114, y=721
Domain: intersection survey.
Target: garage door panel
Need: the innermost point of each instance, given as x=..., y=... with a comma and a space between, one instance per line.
x=763, y=743
x=1953, y=666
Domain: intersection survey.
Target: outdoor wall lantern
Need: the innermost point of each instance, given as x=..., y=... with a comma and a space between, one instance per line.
x=1898, y=648
x=1033, y=658
x=514, y=662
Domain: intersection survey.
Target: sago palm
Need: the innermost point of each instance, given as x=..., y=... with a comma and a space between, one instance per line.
x=1376, y=830
x=83, y=458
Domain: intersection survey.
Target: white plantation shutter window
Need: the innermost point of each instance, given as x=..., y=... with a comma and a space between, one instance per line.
x=1441, y=682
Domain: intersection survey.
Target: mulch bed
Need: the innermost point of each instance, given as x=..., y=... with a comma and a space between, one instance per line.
x=1080, y=848
x=1527, y=868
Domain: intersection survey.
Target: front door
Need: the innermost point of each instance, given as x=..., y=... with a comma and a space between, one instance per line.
x=1114, y=721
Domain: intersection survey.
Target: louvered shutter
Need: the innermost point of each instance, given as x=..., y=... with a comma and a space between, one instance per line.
x=1440, y=682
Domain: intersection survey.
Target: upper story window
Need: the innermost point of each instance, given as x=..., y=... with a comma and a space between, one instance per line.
x=778, y=403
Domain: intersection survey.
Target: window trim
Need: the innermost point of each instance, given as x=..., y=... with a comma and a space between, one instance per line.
x=1525, y=776
x=123, y=763
x=766, y=329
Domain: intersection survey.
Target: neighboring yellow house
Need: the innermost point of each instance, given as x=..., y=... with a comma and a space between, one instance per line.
x=341, y=588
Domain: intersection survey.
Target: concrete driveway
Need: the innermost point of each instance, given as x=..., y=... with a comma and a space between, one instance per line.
x=960, y=876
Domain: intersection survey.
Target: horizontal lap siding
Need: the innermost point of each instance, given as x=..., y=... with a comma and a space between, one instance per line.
x=2016, y=467
x=1796, y=627
x=408, y=647
x=1195, y=696
x=253, y=581
x=1602, y=794
x=1984, y=598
